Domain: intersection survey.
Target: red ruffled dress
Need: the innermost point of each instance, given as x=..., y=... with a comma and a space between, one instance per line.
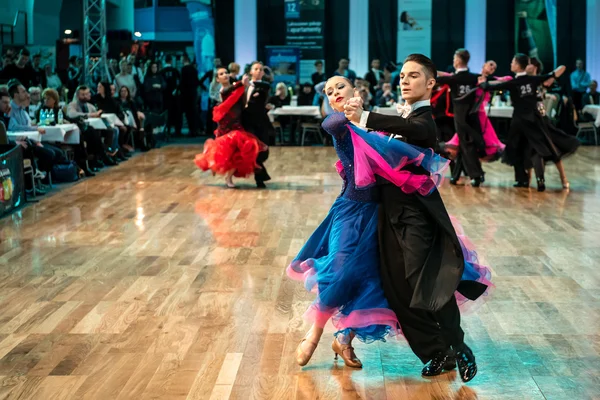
x=234, y=148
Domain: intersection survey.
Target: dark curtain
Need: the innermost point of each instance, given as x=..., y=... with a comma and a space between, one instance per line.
x=500, y=28
x=337, y=25
x=447, y=31
x=383, y=31
x=224, y=30
x=571, y=40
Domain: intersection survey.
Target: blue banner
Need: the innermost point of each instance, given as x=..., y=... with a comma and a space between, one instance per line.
x=285, y=64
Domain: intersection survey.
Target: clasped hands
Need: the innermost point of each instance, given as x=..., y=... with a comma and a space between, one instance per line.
x=353, y=109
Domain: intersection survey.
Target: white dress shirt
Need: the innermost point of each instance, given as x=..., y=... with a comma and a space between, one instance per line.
x=365, y=115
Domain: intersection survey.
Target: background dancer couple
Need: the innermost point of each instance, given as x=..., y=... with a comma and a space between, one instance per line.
x=242, y=128
x=387, y=259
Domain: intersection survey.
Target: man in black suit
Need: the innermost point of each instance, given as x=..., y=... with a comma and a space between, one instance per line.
x=255, y=118
x=421, y=257
x=374, y=76
x=189, y=94
x=466, y=119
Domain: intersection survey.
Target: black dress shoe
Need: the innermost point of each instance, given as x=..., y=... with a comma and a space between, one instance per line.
x=453, y=181
x=541, y=184
x=98, y=165
x=521, y=185
x=261, y=185
x=88, y=173
x=442, y=361
x=466, y=363
x=109, y=161
x=476, y=182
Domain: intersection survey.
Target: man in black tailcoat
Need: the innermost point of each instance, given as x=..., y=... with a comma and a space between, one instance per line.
x=255, y=118
x=421, y=257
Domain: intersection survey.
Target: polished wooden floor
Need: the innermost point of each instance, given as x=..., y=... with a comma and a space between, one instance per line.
x=153, y=281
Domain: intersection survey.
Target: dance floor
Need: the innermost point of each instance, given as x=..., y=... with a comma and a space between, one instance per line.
x=154, y=281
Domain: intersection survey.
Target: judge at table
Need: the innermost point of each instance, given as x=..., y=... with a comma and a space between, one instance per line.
x=47, y=155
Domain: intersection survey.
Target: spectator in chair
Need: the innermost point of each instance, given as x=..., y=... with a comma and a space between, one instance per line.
x=580, y=81
x=46, y=154
x=81, y=108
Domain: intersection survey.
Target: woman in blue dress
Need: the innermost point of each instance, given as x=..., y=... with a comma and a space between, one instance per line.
x=340, y=261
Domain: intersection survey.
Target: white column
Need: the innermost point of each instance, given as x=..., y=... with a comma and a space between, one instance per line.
x=475, y=18
x=245, y=40
x=358, y=37
x=592, y=37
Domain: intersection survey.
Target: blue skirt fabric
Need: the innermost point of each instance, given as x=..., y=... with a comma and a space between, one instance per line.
x=340, y=262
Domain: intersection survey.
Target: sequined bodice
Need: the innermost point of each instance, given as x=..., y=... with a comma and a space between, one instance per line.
x=336, y=126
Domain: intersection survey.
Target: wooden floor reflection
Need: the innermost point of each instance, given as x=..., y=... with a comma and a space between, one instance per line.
x=154, y=281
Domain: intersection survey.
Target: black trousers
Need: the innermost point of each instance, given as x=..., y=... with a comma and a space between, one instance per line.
x=47, y=156
x=472, y=145
x=406, y=234
x=260, y=174
x=174, y=117
x=577, y=100
x=189, y=106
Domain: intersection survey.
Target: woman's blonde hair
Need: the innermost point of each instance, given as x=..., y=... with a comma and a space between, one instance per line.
x=281, y=86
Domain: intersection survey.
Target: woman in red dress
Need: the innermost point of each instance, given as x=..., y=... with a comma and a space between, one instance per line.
x=233, y=152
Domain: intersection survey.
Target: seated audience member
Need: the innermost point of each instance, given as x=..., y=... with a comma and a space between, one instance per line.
x=50, y=102
x=4, y=107
x=281, y=97
x=104, y=100
x=306, y=95
x=79, y=110
x=47, y=155
x=385, y=97
x=128, y=105
x=35, y=93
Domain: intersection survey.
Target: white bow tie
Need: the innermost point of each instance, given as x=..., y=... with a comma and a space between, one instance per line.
x=403, y=109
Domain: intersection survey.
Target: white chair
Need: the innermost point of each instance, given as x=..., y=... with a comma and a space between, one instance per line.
x=311, y=127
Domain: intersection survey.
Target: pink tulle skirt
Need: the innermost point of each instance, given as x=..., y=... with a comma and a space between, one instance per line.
x=493, y=146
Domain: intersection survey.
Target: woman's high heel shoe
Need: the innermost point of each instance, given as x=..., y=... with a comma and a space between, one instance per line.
x=566, y=185
x=347, y=353
x=303, y=358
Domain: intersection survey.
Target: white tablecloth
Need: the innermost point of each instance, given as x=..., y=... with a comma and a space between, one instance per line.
x=386, y=110
x=62, y=133
x=500, y=111
x=593, y=111
x=298, y=111
x=112, y=119
x=96, y=123
x=33, y=135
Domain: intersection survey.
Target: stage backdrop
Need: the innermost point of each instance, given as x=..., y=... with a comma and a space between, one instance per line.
x=305, y=22
x=535, y=30
x=414, y=27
